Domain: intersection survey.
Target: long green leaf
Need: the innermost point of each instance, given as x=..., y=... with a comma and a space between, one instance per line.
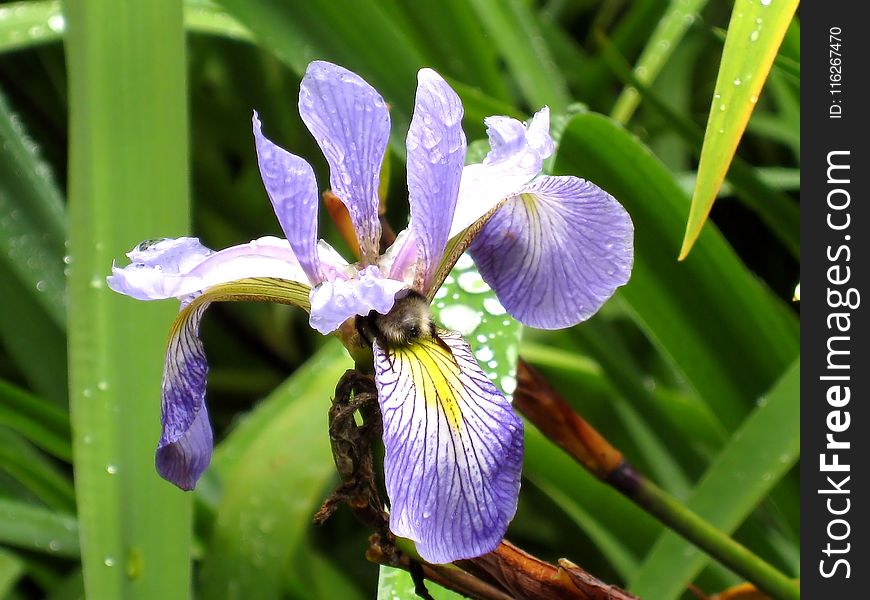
x=128, y=182
x=38, y=529
x=395, y=584
x=37, y=420
x=274, y=469
x=11, y=569
x=754, y=35
x=721, y=328
x=668, y=34
x=758, y=455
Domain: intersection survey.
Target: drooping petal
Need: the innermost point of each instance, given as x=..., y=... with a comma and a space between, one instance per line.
x=516, y=156
x=333, y=302
x=289, y=181
x=185, y=445
x=175, y=268
x=436, y=154
x=350, y=122
x=555, y=252
x=453, y=449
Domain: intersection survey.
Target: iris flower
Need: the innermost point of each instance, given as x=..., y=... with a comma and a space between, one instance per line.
x=552, y=248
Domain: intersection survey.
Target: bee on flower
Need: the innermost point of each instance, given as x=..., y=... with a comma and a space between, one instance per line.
x=553, y=249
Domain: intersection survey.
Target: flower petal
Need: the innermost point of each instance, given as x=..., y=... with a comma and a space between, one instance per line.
x=556, y=252
x=334, y=302
x=185, y=445
x=516, y=155
x=175, y=268
x=350, y=122
x=453, y=449
x=292, y=189
x=436, y=154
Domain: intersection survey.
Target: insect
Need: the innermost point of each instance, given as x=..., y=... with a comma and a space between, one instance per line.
x=409, y=320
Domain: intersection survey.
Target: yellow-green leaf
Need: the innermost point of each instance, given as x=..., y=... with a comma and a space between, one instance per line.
x=754, y=36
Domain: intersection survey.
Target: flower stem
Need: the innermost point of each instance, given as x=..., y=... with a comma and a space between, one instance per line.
x=544, y=407
x=705, y=536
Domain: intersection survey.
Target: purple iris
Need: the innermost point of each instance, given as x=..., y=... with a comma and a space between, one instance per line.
x=554, y=250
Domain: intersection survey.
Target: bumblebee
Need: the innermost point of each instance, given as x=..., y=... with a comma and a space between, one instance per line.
x=409, y=320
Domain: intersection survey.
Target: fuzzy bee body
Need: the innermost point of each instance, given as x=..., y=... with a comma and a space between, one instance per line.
x=409, y=320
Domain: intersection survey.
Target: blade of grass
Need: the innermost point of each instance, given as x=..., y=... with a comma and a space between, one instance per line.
x=38, y=529
x=758, y=455
x=35, y=472
x=667, y=35
x=754, y=35
x=11, y=569
x=128, y=182
x=37, y=420
x=513, y=27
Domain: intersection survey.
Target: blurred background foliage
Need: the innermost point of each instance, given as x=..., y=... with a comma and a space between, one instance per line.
x=691, y=370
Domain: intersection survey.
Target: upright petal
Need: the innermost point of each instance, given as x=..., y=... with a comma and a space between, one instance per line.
x=436, y=154
x=291, y=186
x=555, y=252
x=453, y=449
x=350, y=122
x=516, y=155
x=334, y=302
x=175, y=268
x=185, y=445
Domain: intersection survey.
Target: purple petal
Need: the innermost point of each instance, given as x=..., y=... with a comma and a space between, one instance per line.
x=556, y=252
x=333, y=302
x=185, y=445
x=175, y=268
x=453, y=446
x=436, y=154
x=291, y=186
x=516, y=156
x=350, y=122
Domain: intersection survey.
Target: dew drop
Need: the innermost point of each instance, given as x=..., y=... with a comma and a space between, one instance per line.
x=111, y=469
x=484, y=354
x=97, y=282
x=753, y=37
x=472, y=282
x=737, y=81
x=461, y=318
x=56, y=23
x=441, y=293
x=103, y=386
x=109, y=561
x=54, y=545
x=492, y=364
x=482, y=338
x=508, y=384
x=765, y=2
x=464, y=262
x=493, y=306
x=40, y=285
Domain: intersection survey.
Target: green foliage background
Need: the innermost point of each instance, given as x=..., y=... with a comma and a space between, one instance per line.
x=126, y=121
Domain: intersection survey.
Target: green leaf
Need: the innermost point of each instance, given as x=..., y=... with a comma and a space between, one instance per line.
x=759, y=454
x=720, y=327
x=11, y=569
x=38, y=529
x=668, y=34
x=37, y=420
x=274, y=470
x=396, y=584
x=128, y=182
x=513, y=27
x=754, y=35
x=32, y=305
x=35, y=472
